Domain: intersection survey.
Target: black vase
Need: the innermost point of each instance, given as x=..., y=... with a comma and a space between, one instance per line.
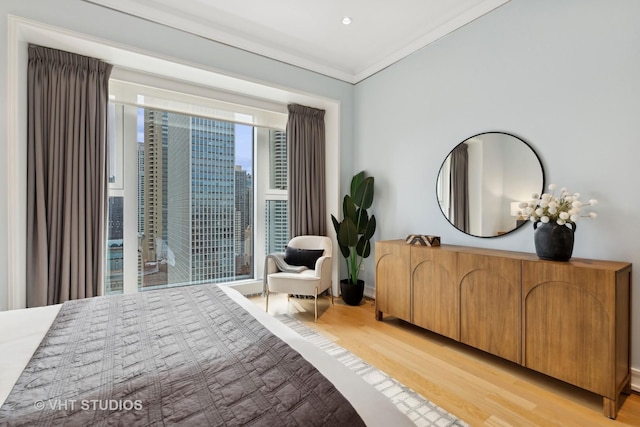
x=554, y=241
x=351, y=294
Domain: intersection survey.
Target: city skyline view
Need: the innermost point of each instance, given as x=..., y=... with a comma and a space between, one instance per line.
x=195, y=202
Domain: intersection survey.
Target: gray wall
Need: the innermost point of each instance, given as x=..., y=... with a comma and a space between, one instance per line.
x=562, y=75
x=86, y=18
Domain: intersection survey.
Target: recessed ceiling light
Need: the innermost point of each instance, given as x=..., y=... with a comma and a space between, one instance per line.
x=346, y=20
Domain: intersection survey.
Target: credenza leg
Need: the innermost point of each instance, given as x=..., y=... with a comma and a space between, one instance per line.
x=378, y=315
x=610, y=407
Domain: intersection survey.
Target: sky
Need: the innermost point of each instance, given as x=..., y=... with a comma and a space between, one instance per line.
x=244, y=147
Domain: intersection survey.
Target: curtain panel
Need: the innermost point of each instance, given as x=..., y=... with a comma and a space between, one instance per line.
x=459, y=208
x=66, y=175
x=307, y=191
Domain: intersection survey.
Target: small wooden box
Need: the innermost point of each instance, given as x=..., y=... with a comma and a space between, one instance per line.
x=423, y=240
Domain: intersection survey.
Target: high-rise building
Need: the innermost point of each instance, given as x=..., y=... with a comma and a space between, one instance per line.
x=115, y=218
x=179, y=208
x=278, y=159
x=140, y=187
x=243, y=195
x=201, y=205
x=277, y=225
x=154, y=194
x=277, y=211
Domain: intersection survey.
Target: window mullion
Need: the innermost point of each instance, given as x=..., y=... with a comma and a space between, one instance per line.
x=128, y=133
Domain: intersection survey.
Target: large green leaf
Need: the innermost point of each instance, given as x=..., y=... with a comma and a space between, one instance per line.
x=364, y=194
x=371, y=228
x=349, y=209
x=355, y=182
x=363, y=220
x=344, y=250
x=336, y=224
x=364, y=247
x=348, y=233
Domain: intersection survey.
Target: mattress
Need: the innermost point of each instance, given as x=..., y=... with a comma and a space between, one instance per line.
x=206, y=356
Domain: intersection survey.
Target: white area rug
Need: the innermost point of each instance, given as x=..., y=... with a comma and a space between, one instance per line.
x=420, y=410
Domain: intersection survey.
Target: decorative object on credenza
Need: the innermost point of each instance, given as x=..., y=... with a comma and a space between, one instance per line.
x=554, y=221
x=423, y=240
x=554, y=241
x=354, y=234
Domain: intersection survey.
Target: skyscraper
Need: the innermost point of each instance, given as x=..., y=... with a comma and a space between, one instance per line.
x=278, y=159
x=277, y=211
x=277, y=225
x=141, y=169
x=201, y=206
x=154, y=124
x=244, y=221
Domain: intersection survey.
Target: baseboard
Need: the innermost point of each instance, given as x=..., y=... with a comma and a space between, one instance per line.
x=369, y=291
x=635, y=379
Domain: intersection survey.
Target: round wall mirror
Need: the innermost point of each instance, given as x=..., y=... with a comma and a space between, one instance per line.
x=483, y=180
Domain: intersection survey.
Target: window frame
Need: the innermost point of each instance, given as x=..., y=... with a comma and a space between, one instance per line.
x=124, y=94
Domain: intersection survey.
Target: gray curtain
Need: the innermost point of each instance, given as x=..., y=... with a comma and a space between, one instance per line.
x=307, y=193
x=66, y=175
x=459, y=206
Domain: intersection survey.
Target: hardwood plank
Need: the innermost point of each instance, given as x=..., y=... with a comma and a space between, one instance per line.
x=479, y=388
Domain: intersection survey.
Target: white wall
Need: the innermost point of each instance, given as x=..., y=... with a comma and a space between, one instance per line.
x=562, y=75
x=163, y=42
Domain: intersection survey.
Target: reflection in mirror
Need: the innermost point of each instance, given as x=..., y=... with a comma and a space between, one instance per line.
x=482, y=181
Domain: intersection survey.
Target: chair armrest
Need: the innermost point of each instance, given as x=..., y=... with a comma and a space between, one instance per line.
x=270, y=266
x=323, y=266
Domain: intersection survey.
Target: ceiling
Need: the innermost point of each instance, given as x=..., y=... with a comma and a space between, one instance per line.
x=310, y=34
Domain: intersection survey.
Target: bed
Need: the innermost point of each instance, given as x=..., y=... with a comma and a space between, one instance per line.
x=196, y=355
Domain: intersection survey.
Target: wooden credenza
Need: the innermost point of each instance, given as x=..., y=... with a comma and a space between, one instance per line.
x=569, y=320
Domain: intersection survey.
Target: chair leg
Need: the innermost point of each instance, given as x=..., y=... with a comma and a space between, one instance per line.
x=316, y=306
x=267, y=308
x=331, y=293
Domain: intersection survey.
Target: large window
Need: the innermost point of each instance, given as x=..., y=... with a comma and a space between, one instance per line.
x=182, y=211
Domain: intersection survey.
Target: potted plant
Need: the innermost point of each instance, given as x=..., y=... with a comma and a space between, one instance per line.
x=354, y=234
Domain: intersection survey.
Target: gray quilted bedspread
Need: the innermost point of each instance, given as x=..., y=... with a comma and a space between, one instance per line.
x=185, y=356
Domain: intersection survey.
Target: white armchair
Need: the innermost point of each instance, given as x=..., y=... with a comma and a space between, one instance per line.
x=283, y=278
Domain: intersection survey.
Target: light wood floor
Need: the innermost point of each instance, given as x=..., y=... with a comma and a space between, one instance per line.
x=480, y=389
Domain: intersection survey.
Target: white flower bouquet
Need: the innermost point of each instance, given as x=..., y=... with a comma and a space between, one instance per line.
x=563, y=209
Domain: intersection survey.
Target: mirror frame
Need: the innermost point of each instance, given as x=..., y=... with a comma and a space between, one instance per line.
x=518, y=223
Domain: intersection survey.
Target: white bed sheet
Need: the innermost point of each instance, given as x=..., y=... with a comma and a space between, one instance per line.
x=22, y=330
x=20, y=334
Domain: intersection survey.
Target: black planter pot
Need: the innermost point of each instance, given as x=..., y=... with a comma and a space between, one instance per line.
x=553, y=241
x=351, y=294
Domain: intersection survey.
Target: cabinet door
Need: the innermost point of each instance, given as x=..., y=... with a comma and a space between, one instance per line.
x=435, y=291
x=569, y=316
x=393, y=289
x=490, y=304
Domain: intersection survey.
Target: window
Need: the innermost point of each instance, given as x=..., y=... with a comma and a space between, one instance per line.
x=182, y=197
